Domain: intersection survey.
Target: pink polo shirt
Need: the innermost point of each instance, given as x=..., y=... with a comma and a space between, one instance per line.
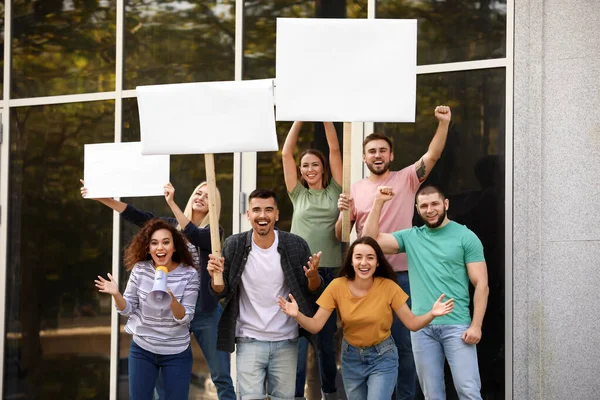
x=396, y=214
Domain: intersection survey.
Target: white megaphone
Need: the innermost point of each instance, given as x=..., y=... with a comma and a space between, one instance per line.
x=159, y=297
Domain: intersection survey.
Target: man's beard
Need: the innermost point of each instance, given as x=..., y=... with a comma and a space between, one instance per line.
x=386, y=167
x=441, y=218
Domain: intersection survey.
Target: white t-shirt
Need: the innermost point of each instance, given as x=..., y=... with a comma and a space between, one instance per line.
x=262, y=281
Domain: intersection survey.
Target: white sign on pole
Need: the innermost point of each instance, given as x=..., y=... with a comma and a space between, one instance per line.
x=207, y=117
x=120, y=170
x=346, y=70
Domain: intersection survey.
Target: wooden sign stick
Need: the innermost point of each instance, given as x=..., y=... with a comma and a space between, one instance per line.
x=346, y=180
x=213, y=220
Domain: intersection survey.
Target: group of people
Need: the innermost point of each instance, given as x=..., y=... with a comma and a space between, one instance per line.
x=284, y=290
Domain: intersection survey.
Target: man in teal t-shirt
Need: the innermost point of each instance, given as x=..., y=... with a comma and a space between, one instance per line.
x=443, y=256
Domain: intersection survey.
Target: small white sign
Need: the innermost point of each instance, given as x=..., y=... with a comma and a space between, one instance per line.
x=346, y=70
x=207, y=117
x=120, y=170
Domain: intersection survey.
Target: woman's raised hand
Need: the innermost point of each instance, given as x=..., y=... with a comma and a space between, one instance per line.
x=288, y=307
x=440, y=308
x=169, y=193
x=107, y=286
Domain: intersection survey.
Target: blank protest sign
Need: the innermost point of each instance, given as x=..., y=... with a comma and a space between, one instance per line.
x=120, y=170
x=207, y=117
x=346, y=70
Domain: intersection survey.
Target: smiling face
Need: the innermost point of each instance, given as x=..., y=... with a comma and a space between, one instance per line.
x=364, y=261
x=200, y=200
x=262, y=214
x=311, y=169
x=378, y=156
x=161, y=248
x=432, y=209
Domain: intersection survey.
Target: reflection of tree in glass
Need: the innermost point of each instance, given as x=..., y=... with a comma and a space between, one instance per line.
x=170, y=41
x=58, y=242
x=453, y=31
x=62, y=47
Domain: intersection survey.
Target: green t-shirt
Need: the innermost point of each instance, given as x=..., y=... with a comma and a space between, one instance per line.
x=437, y=261
x=314, y=218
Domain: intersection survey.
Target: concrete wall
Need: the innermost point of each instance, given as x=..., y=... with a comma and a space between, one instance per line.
x=556, y=264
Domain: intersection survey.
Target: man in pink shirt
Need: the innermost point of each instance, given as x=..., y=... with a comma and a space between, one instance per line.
x=396, y=214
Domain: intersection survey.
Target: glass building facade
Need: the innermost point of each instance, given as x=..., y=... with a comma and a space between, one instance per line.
x=70, y=69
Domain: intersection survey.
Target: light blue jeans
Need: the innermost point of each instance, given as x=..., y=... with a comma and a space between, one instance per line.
x=204, y=327
x=274, y=362
x=434, y=342
x=370, y=373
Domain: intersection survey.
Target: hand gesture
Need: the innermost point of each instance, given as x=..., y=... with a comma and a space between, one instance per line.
x=440, y=308
x=288, y=307
x=313, y=266
x=105, y=286
x=215, y=265
x=169, y=193
x=443, y=113
x=384, y=193
x=344, y=202
x=472, y=335
x=83, y=189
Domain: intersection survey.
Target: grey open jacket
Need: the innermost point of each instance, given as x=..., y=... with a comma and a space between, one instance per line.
x=295, y=254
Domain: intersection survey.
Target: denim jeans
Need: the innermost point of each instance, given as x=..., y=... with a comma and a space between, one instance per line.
x=407, y=374
x=434, y=342
x=326, y=348
x=274, y=362
x=370, y=373
x=204, y=327
x=144, y=367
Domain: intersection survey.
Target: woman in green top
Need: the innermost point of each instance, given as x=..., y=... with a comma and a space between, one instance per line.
x=314, y=188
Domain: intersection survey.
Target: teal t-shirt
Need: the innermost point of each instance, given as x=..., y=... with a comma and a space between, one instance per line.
x=437, y=261
x=314, y=218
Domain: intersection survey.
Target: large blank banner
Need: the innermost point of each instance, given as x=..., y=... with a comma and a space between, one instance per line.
x=207, y=117
x=346, y=70
x=120, y=170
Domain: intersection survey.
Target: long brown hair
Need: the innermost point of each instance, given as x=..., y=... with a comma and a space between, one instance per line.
x=384, y=269
x=321, y=157
x=138, y=248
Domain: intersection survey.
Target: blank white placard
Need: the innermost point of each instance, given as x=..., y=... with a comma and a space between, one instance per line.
x=120, y=170
x=346, y=70
x=207, y=117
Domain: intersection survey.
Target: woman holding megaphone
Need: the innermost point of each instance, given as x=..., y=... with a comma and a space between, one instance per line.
x=161, y=336
x=193, y=223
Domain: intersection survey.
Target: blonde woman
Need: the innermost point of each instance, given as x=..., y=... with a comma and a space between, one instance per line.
x=193, y=223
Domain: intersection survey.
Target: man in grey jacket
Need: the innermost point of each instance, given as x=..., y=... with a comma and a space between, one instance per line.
x=257, y=266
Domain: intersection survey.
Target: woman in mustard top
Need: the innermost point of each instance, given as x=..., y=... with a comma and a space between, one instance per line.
x=365, y=295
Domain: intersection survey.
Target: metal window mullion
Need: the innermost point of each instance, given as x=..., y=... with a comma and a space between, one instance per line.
x=4, y=165
x=508, y=203
x=114, y=316
x=238, y=185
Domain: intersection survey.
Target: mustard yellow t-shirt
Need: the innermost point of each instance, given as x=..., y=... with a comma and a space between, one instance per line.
x=366, y=320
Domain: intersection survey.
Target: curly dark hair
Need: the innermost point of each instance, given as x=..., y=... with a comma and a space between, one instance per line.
x=384, y=269
x=138, y=248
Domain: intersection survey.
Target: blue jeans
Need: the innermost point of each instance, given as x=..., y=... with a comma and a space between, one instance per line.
x=144, y=366
x=370, y=373
x=407, y=374
x=274, y=362
x=204, y=327
x=325, y=351
x=434, y=342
